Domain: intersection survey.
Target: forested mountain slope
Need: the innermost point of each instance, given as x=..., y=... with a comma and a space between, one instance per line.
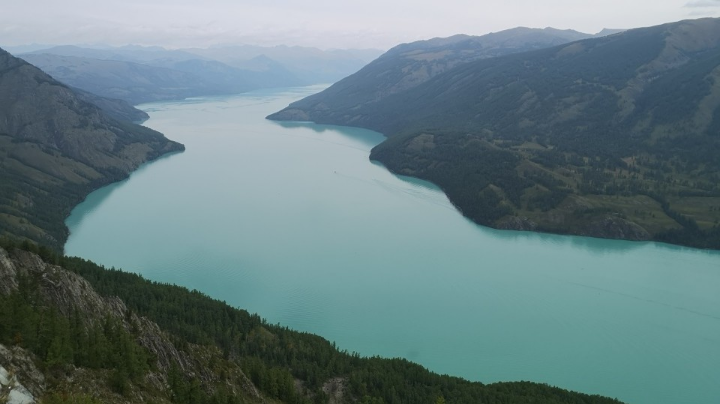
x=76, y=332
x=613, y=137
x=114, y=108
x=408, y=65
x=55, y=148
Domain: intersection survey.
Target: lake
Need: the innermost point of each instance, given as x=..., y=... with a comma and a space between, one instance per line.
x=292, y=221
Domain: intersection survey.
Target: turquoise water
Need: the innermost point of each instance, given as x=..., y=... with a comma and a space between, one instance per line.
x=292, y=221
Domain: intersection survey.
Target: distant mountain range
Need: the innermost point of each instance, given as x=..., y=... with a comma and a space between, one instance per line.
x=138, y=74
x=56, y=147
x=309, y=65
x=616, y=137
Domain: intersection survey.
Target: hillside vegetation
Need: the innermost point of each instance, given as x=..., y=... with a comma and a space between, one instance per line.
x=56, y=148
x=611, y=137
x=79, y=331
x=114, y=108
x=409, y=65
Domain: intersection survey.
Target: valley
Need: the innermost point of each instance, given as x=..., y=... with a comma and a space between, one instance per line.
x=297, y=224
x=448, y=219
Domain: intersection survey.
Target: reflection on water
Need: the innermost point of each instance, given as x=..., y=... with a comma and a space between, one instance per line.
x=362, y=136
x=292, y=221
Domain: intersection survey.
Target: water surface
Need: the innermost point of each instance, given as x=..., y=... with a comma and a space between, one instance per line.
x=292, y=221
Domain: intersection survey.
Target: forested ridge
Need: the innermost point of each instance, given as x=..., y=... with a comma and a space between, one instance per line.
x=56, y=147
x=284, y=365
x=612, y=137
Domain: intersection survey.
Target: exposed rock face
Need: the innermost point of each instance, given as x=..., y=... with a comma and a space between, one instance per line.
x=66, y=292
x=62, y=289
x=20, y=379
x=335, y=389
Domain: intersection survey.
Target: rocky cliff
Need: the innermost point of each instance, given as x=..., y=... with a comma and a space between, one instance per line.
x=71, y=296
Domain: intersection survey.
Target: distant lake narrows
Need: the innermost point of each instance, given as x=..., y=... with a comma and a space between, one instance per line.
x=292, y=221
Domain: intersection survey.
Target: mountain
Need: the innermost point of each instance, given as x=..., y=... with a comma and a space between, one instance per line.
x=56, y=148
x=138, y=83
x=150, y=55
x=613, y=137
x=311, y=65
x=74, y=332
x=114, y=108
x=139, y=74
x=259, y=72
x=608, y=31
x=409, y=65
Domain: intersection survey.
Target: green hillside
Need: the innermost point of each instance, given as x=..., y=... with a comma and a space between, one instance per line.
x=409, y=65
x=114, y=337
x=612, y=137
x=114, y=108
x=56, y=148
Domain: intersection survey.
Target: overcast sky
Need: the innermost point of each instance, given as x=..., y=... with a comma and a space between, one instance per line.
x=321, y=23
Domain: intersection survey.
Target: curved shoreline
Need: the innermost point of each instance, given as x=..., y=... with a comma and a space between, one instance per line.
x=606, y=227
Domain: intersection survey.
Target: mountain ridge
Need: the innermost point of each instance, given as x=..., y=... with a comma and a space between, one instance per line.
x=55, y=148
x=139, y=83
x=139, y=74
x=581, y=138
x=408, y=65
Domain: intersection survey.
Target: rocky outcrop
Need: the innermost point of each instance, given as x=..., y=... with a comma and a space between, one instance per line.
x=67, y=292
x=335, y=389
x=70, y=293
x=20, y=380
x=63, y=290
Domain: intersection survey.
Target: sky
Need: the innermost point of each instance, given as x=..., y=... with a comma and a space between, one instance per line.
x=325, y=24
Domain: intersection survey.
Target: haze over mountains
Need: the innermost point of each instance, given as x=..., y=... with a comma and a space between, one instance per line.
x=611, y=137
x=143, y=74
